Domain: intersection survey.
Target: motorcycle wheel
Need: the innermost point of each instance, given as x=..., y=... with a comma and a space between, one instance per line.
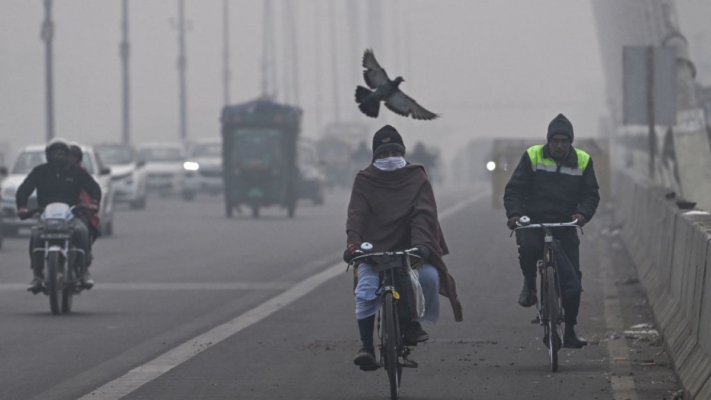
x=54, y=286
x=68, y=293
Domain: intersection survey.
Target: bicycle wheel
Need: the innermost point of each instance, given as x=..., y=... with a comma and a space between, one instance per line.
x=54, y=286
x=552, y=314
x=390, y=342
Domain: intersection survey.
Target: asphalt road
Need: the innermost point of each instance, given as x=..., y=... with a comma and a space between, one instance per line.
x=175, y=271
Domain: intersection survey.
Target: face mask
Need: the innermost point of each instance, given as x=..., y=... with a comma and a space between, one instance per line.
x=390, y=163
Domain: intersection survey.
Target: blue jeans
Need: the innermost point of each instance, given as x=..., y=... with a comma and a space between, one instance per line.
x=368, y=303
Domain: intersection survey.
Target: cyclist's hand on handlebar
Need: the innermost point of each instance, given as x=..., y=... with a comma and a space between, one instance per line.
x=351, y=252
x=512, y=222
x=422, y=251
x=581, y=219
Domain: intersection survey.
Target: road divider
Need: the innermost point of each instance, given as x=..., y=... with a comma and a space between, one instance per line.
x=670, y=247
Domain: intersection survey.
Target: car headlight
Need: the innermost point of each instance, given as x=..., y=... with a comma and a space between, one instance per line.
x=191, y=166
x=491, y=166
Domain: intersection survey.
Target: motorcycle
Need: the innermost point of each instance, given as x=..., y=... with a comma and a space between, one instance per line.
x=64, y=263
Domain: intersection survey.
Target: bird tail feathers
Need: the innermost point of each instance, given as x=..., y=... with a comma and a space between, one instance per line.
x=370, y=108
x=361, y=93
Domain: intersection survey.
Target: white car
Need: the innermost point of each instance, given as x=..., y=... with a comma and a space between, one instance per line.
x=32, y=156
x=127, y=173
x=163, y=165
x=203, y=169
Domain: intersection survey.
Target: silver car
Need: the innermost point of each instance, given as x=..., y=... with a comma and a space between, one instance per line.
x=163, y=165
x=203, y=169
x=127, y=173
x=32, y=156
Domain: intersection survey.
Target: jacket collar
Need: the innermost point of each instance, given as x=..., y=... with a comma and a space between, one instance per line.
x=570, y=161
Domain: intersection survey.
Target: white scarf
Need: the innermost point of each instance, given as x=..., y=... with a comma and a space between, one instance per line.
x=390, y=163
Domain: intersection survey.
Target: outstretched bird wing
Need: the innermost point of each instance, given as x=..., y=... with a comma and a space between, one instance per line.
x=374, y=75
x=404, y=105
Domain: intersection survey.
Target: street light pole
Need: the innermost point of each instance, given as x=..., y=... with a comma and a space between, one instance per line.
x=226, y=51
x=47, y=36
x=334, y=62
x=124, y=49
x=182, y=65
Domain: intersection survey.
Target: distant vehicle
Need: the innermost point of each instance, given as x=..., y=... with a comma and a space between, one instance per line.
x=203, y=169
x=312, y=179
x=163, y=165
x=32, y=156
x=259, y=157
x=127, y=173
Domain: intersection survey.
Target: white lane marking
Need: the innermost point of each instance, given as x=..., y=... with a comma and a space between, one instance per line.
x=623, y=387
x=153, y=369
x=162, y=286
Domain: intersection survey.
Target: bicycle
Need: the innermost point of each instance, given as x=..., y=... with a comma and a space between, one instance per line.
x=549, y=307
x=393, y=352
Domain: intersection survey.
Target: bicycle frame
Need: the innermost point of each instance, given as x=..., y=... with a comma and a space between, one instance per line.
x=391, y=351
x=550, y=317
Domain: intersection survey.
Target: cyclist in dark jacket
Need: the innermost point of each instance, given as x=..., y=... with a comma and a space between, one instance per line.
x=393, y=207
x=554, y=182
x=57, y=181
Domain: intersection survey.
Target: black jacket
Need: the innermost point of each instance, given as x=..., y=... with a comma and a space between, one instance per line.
x=548, y=191
x=57, y=184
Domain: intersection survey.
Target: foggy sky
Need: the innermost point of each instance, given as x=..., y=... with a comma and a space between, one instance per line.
x=491, y=67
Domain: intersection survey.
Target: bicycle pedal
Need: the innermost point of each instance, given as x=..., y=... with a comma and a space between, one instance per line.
x=536, y=321
x=409, y=364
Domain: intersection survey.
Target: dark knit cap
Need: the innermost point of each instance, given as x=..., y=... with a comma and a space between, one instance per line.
x=386, y=139
x=560, y=124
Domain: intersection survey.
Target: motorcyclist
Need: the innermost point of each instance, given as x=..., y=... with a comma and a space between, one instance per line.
x=57, y=181
x=552, y=183
x=87, y=212
x=393, y=207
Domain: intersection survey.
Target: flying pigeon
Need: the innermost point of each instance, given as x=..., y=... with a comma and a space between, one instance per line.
x=386, y=90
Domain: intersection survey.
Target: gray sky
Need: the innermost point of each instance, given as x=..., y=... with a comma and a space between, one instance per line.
x=491, y=67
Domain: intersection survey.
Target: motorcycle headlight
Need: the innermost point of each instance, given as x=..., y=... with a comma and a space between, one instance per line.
x=54, y=225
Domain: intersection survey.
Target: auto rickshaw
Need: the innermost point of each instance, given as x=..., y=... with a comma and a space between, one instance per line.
x=259, y=140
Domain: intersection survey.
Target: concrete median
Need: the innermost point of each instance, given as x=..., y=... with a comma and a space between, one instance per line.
x=672, y=251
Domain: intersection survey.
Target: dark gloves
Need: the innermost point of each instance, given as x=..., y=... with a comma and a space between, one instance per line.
x=511, y=223
x=351, y=252
x=423, y=251
x=581, y=219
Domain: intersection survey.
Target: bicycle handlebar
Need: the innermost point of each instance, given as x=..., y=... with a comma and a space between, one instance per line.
x=409, y=252
x=573, y=223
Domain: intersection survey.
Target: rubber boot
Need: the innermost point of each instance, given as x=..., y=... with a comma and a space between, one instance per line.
x=528, y=297
x=365, y=358
x=571, y=339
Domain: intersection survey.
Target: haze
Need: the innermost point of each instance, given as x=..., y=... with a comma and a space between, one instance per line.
x=492, y=68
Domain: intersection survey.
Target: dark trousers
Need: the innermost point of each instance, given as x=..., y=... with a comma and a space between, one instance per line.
x=530, y=250
x=80, y=239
